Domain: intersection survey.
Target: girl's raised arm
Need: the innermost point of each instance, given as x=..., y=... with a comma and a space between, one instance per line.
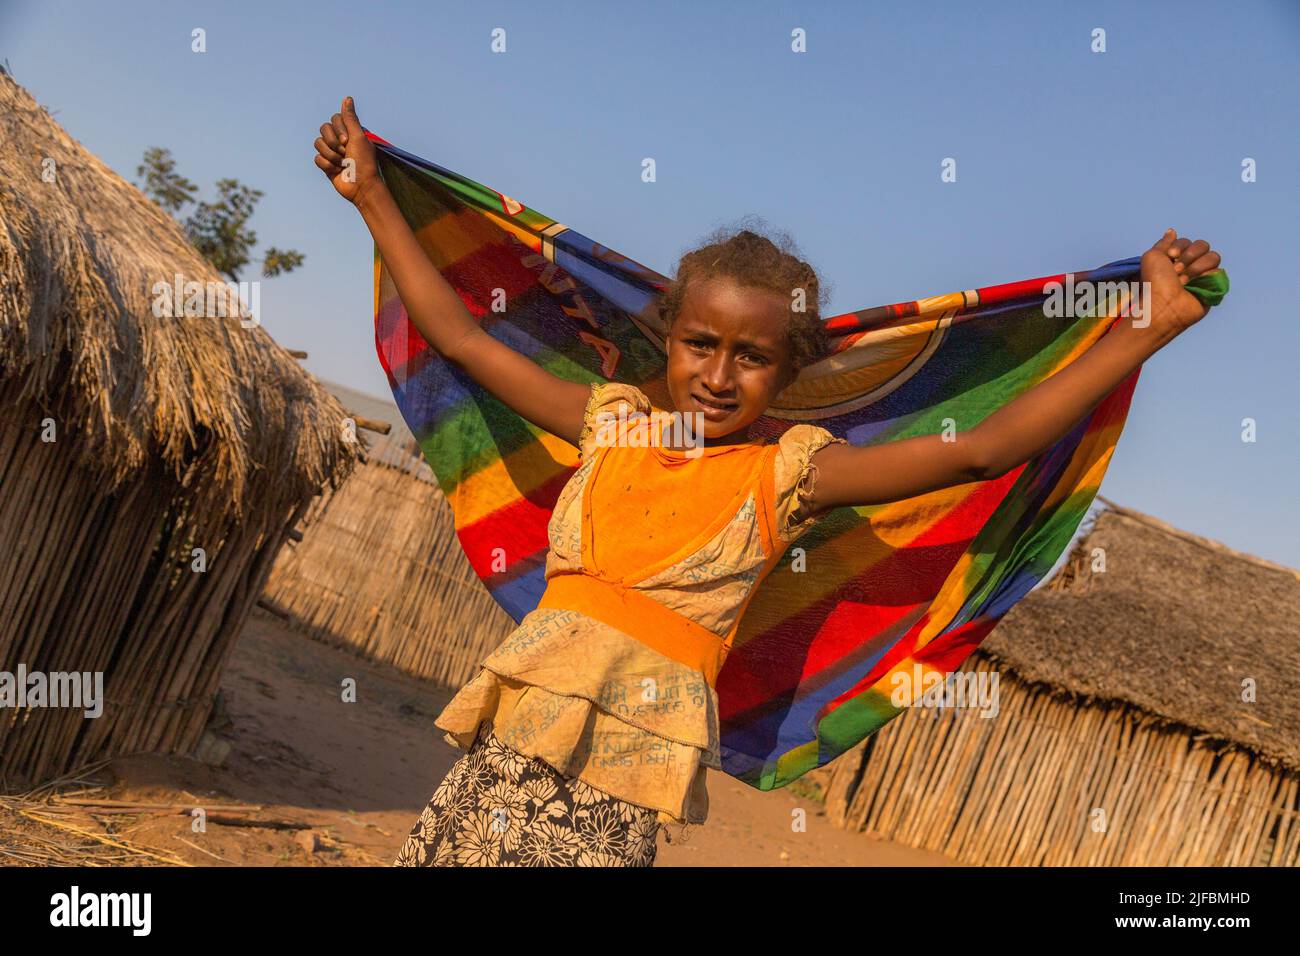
x=1034, y=421
x=548, y=401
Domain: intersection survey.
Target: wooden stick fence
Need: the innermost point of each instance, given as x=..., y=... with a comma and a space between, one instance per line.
x=380, y=571
x=96, y=582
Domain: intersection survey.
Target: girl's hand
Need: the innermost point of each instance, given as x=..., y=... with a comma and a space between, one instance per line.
x=1168, y=266
x=341, y=140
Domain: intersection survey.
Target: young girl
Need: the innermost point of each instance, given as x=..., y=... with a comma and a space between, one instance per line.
x=594, y=722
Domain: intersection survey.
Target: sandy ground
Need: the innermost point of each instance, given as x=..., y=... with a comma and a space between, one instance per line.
x=358, y=774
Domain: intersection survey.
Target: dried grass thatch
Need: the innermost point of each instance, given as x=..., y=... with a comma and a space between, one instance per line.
x=1122, y=737
x=216, y=403
x=171, y=434
x=1173, y=626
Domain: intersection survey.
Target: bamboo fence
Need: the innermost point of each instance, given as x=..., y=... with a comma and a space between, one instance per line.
x=1056, y=781
x=96, y=581
x=381, y=572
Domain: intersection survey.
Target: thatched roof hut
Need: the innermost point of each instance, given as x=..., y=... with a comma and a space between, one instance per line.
x=379, y=570
x=135, y=448
x=1148, y=716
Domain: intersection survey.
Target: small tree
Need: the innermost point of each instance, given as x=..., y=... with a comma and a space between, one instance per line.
x=219, y=230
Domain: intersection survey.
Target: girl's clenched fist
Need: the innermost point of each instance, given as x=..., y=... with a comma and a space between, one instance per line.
x=1168, y=266
x=345, y=155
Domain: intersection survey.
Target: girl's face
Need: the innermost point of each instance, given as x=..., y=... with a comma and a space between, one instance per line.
x=728, y=357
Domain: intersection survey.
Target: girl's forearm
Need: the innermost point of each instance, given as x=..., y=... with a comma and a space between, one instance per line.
x=434, y=307
x=531, y=390
x=1047, y=412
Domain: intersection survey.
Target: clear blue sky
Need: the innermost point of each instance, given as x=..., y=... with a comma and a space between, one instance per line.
x=1066, y=159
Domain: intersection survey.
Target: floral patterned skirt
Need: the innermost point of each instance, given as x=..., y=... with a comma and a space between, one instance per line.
x=498, y=807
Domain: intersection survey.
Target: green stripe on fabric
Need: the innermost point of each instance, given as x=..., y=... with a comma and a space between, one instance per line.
x=463, y=442
x=854, y=719
x=1209, y=288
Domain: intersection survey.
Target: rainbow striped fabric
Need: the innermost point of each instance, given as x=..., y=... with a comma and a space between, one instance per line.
x=910, y=587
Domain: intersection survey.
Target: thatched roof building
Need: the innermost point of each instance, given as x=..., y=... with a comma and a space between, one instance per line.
x=1148, y=716
x=379, y=569
x=1175, y=624
x=135, y=448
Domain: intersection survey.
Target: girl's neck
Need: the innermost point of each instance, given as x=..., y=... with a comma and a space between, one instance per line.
x=740, y=436
x=673, y=439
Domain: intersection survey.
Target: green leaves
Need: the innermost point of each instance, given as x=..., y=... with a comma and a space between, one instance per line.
x=219, y=230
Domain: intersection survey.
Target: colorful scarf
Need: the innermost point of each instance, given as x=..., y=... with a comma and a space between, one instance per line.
x=910, y=587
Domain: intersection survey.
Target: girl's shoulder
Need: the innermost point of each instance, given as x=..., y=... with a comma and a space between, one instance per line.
x=607, y=401
x=795, y=474
x=609, y=395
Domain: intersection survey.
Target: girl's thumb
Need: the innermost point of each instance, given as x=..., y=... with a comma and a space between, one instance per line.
x=350, y=122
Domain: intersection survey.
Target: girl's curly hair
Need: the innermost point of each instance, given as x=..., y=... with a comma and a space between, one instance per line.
x=771, y=263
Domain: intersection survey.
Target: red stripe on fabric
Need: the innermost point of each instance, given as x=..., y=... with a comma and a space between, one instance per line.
x=520, y=528
x=866, y=319
x=945, y=654
x=890, y=590
x=509, y=273
x=876, y=316
x=1025, y=289
x=501, y=261
x=949, y=651
x=396, y=350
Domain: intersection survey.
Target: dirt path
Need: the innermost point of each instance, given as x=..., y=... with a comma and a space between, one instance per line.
x=360, y=773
